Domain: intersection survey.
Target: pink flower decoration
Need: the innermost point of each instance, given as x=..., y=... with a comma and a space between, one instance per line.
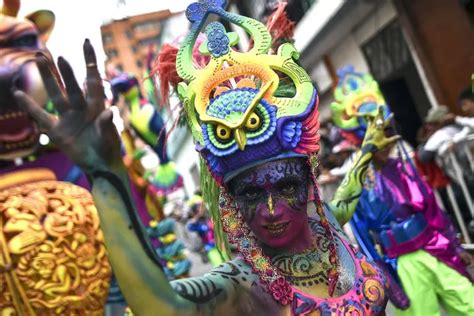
x=281, y=291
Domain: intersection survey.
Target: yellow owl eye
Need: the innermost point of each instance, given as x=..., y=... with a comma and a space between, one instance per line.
x=223, y=132
x=253, y=121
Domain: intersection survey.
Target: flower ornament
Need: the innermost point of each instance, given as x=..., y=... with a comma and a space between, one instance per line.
x=218, y=41
x=281, y=291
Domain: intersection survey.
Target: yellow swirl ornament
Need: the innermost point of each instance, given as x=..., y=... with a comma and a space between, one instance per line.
x=373, y=290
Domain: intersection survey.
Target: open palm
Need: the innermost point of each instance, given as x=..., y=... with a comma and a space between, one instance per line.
x=84, y=130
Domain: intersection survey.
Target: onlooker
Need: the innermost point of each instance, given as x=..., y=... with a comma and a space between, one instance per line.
x=466, y=102
x=445, y=140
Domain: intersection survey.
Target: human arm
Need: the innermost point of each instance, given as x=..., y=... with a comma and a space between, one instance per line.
x=425, y=156
x=347, y=195
x=85, y=132
x=465, y=121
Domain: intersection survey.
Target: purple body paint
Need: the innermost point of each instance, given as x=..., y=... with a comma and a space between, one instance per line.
x=272, y=198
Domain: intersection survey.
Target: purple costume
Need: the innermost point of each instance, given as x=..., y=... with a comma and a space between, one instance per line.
x=408, y=197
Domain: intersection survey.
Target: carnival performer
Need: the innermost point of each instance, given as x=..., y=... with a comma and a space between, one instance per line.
x=200, y=223
x=261, y=151
x=418, y=241
x=52, y=252
x=171, y=250
x=143, y=123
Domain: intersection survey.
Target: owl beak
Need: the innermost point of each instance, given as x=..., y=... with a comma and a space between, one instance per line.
x=240, y=138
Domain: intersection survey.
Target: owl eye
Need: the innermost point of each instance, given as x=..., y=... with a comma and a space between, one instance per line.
x=223, y=132
x=253, y=122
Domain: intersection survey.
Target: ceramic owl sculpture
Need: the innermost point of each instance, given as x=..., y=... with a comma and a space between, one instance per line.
x=235, y=108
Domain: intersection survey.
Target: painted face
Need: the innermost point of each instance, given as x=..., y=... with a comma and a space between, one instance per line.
x=272, y=198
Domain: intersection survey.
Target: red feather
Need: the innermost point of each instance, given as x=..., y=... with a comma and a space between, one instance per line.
x=281, y=28
x=165, y=68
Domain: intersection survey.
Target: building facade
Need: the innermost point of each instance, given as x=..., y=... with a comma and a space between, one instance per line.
x=126, y=41
x=421, y=52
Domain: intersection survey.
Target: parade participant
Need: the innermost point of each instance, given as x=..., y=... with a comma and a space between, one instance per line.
x=261, y=150
x=171, y=250
x=52, y=254
x=144, y=122
x=201, y=224
x=418, y=241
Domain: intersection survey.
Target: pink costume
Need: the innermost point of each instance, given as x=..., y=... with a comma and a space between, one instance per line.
x=406, y=194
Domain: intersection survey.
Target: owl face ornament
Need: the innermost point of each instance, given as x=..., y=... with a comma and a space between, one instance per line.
x=356, y=94
x=237, y=115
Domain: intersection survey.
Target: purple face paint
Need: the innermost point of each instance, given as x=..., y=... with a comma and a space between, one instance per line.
x=272, y=198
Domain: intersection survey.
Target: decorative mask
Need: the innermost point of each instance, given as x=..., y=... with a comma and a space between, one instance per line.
x=356, y=94
x=236, y=113
x=22, y=39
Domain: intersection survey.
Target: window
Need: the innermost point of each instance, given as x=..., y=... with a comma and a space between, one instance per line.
x=139, y=63
x=119, y=67
x=387, y=52
x=146, y=26
x=134, y=49
x=107, y=38
x=149, y=40
x=111, y=53
x=129, y=34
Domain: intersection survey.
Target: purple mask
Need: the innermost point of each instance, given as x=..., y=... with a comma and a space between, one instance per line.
x=272, y=199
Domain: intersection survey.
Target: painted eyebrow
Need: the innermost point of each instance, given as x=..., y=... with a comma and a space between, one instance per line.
x=244, y=189
x=289, y=180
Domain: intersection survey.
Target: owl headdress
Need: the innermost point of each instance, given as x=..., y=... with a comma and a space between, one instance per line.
x=236, y=114
x=356, y=94
x=245, y=108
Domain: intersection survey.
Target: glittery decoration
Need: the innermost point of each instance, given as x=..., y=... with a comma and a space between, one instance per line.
x=197, y=11
x=366, y=297
x=240, y=235
x=333, y=274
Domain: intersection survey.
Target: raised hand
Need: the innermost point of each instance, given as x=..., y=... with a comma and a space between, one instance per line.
x=375, y=138
x=84, y=130
x=347, y=196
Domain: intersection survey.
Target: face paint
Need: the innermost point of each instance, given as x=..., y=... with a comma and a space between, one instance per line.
x=272, y=198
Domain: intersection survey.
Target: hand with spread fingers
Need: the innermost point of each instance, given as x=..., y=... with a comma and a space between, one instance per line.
x=375, y=138
x=84, y=130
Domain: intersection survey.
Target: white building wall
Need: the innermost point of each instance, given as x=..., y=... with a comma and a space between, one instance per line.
x=187, y=158
x=349, y=52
